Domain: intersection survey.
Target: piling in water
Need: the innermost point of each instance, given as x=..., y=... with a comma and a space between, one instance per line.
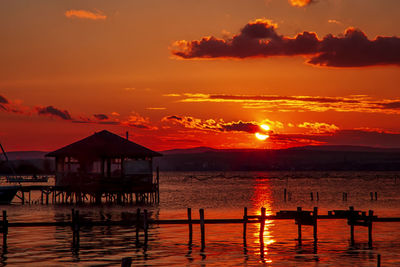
x=299, y=211
x=202, y=230
x=189, y=215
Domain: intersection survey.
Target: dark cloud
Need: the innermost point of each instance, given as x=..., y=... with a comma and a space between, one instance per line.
x=52, y=111
x=173, y=117
x=390, y=105
x=260, y=39
x=240, y=126
x=101, y=117
x=213, y=125
x=3, y=100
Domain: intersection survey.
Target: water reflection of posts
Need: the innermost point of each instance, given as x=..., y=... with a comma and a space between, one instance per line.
x=5, y=231
x=137, y=226
x=145, y=227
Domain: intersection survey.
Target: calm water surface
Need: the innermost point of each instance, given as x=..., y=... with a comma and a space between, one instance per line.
x=222, y=195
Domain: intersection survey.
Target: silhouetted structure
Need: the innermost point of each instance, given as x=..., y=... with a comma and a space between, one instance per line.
x=105, y=165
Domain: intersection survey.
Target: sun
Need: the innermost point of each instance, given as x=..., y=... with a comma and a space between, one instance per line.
x=265, y=127
x=263, y=134
x=261, y=137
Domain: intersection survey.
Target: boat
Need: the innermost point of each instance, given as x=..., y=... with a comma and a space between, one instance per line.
x=7, y=193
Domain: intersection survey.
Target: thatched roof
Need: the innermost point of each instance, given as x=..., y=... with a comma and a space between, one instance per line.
x=104, y=144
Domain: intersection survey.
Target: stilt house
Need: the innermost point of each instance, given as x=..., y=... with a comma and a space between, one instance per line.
x=105, y=163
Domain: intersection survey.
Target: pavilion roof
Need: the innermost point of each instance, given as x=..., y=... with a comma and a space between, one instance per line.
x=104, y=144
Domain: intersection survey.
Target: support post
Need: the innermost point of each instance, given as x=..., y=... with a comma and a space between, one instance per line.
x=189, y=215
x=376, y=195
x=315, y=219
x=317, y=196
x=311, y=196
x=284, y=194
x=371, y=195
x=378, y=264
x=262, y=223
x=158, y=184
x=299, y=212
x=370, y=218
x=244, y=224
x=202, y=230
x=351, y=222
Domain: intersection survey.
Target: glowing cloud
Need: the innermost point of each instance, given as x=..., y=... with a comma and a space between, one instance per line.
x=84, y=14
x=300, y=3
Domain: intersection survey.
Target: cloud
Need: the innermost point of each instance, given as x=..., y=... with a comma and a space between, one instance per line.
x=301, y=3
x=101, y=117
x=3, y=100
x=84, y=14
x=278, y=103
x=319, y=127
x=334, y=21
x=259, y=38
x=156, y=108
x=135, y=120
x=217, y=125
x=55, y=112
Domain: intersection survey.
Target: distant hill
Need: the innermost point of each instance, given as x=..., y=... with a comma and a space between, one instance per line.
x=24, y=155
x=346, y=148
x=322, y=158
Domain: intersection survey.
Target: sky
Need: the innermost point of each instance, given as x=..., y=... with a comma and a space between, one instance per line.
x=189, y=73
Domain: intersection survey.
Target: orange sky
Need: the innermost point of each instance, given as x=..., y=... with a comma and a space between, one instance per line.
x=185, y=73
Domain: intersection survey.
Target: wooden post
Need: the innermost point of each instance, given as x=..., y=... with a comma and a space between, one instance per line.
x=311, y=196
x=376, y=195
x=126, y=262
x=317, y=196
x=299, y=212
x=145, y=226
x=315, y=218
x=158, y=184
x=370, y=218
x=351, y=222
x=371, y=195
x=202, y=230
x=5, y=229
x=189, y=215
x=378, y=264
x=284, y=194
x=262, y=223
x=244, y=224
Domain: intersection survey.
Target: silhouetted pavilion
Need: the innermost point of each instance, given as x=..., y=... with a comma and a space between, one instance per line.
x=105, y=165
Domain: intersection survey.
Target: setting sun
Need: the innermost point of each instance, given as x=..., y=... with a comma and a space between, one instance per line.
x=262, y=137
x=265, y=127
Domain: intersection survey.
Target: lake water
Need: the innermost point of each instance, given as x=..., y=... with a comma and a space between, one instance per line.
x=222, y=195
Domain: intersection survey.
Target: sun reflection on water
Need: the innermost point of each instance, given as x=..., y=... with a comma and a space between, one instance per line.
x=262, y=198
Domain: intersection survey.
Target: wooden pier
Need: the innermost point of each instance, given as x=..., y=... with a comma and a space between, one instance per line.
x=142, y=220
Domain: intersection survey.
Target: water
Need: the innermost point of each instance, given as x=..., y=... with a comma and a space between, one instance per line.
x=222, y=195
